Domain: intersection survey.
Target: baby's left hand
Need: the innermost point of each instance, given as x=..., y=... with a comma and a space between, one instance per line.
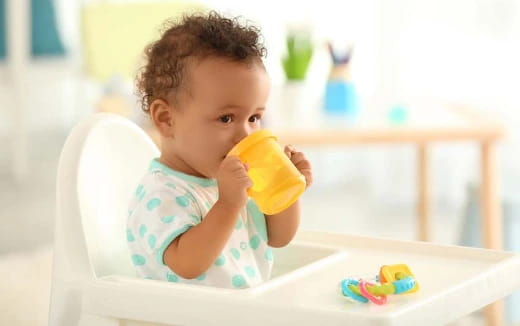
x=300, y=161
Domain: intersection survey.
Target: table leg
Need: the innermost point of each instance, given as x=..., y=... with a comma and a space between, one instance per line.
x=20, y=159
x=423, y=185
x=491, y=219
x=18, y=20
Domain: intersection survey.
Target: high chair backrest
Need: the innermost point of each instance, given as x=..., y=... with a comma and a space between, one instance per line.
x=115, y=156
x=100, y=166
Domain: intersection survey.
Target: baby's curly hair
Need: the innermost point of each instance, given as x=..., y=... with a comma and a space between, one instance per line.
x=196, y=36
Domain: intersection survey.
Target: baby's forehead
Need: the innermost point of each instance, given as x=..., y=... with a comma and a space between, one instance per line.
x=220, y=79
x=215, y=71
x=217, y=63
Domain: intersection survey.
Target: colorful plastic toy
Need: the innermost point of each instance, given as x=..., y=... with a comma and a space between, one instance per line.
x=392, y=279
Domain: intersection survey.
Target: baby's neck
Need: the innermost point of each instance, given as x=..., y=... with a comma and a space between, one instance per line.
x=177, y=164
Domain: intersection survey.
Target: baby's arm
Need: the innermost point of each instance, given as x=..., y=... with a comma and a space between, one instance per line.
x=193, y=252
x=282, y=227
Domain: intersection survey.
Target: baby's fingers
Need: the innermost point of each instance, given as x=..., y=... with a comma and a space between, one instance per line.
x=289, y=151
x=307, y=173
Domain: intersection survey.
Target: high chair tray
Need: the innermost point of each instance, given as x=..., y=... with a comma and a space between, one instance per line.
x=304, y=289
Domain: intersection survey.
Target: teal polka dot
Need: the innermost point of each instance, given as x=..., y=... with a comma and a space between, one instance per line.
x=171, y=185
x=238, y=281
x=153, y=203
x=138, y=260
x=208, y=205
x=269, y=254
x=151, y=241
x=238, y=226
x=129, y=236
x=250, y=271
x=138, y=190
x=142, y=230
x=221, y=260
x=254, y=242
x=172, y=277
x=148, y=277
x=235, y=253
x=182, y=201
x=130, y=212
x=191, y=186
x=243, y=245
x=167, y=219
x=141, y=196
x=196, y=219
x=201, y=277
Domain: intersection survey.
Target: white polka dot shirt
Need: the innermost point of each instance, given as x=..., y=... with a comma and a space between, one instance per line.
x=166, y=204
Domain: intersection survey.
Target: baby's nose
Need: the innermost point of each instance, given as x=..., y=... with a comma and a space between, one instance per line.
x=241, y=134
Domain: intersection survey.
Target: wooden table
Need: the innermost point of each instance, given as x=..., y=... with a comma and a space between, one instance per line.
x=465, y=125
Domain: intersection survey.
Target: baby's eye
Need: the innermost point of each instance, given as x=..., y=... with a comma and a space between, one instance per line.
x=255, y=118
x=226, y=118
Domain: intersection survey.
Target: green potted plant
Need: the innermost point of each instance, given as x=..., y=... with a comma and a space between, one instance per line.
x=299, y=54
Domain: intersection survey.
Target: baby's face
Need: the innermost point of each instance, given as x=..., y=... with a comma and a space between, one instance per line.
x=224, y=102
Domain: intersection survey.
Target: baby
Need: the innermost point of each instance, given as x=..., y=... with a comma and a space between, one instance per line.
x=205, y=88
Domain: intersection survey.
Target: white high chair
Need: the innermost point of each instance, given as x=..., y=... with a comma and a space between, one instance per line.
x=93, y=280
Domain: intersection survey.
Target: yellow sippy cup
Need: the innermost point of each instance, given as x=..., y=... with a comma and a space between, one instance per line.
x=277, y=183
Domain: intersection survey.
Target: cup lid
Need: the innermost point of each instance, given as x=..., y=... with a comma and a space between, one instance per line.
x=250, y=140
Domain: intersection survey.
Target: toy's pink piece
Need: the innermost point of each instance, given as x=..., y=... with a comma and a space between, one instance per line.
x=363, y=289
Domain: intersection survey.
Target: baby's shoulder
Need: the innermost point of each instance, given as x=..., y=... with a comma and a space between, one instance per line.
x=158, y=188
x=160, y=183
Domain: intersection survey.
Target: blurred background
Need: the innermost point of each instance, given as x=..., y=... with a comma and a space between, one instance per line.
x=340, y=63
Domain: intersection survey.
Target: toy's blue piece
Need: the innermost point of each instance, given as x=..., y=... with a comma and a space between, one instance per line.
x=404, y=285
x=348, y=292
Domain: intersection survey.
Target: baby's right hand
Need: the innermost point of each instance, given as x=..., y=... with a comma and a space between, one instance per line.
x=233, y=182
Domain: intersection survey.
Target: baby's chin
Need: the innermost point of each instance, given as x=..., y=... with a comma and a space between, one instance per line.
x=211, y=173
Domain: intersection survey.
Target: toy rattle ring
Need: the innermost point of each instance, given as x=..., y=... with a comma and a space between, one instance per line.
x=381, y=300
x=345, y=288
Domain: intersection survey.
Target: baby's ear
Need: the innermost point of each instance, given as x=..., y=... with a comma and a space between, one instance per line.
x=162, y=116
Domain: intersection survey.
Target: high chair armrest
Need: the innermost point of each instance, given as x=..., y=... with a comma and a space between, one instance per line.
x=153, y=301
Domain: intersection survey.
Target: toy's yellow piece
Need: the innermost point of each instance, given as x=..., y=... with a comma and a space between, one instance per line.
x=391, y=273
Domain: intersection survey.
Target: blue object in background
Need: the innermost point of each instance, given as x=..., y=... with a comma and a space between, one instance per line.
x=398, y=114
x=341, y=98
x=471, y=234
x=45, y=40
